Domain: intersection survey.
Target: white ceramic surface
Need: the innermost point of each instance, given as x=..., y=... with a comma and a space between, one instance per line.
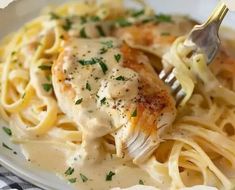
x=22, y=11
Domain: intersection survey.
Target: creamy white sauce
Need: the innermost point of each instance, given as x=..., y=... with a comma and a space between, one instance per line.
x=56, y=159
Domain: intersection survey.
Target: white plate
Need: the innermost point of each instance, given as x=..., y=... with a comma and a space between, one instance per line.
x=21, y=11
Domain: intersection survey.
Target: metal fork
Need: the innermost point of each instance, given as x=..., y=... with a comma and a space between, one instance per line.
x=202, y=37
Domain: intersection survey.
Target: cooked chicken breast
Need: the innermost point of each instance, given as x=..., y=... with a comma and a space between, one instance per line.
x=106, y=87
x=155, y=37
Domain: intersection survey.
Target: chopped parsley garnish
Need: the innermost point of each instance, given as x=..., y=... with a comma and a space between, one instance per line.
x=47, y=87
x=100, y=31
x=109, y=176
x=72, y=180
x=13, y=53
x=141, y=182
x=5, y=146
x=95, y=61
x=7, y=131
x=134, y=113
x=122, y=78
x=118, y=57
x=88, y=86
x=103, y=50
x=103, y=66
x=54, y=16
x=95, y=18
x=44, y=67
x=83, y=19
x=83, y=33
x=79, y=101
x=163, y=18
x=165, y=33
x=138, y=13
x=69, y=171
x=103, y=101
x=88, y=62
x=68, y=24
x=83, y=177
x=108, y=43
x=147, y=20
x=48, y=77
x=123, y=22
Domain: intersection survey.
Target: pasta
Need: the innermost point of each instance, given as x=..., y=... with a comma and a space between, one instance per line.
x=197, y=149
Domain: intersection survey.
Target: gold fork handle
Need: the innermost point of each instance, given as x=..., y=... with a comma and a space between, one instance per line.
x=218, y=14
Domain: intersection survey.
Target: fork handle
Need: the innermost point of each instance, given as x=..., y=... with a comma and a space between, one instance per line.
x=218, y=14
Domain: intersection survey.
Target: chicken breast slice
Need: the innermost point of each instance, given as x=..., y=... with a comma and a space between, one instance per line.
x=106, y=87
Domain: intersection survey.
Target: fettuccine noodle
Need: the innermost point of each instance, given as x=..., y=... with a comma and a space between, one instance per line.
x=197, y=149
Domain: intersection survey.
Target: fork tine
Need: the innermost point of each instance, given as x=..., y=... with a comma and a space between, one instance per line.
x=170, y=79
x=164, y=73
x=176, y=87
x=179, y=96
